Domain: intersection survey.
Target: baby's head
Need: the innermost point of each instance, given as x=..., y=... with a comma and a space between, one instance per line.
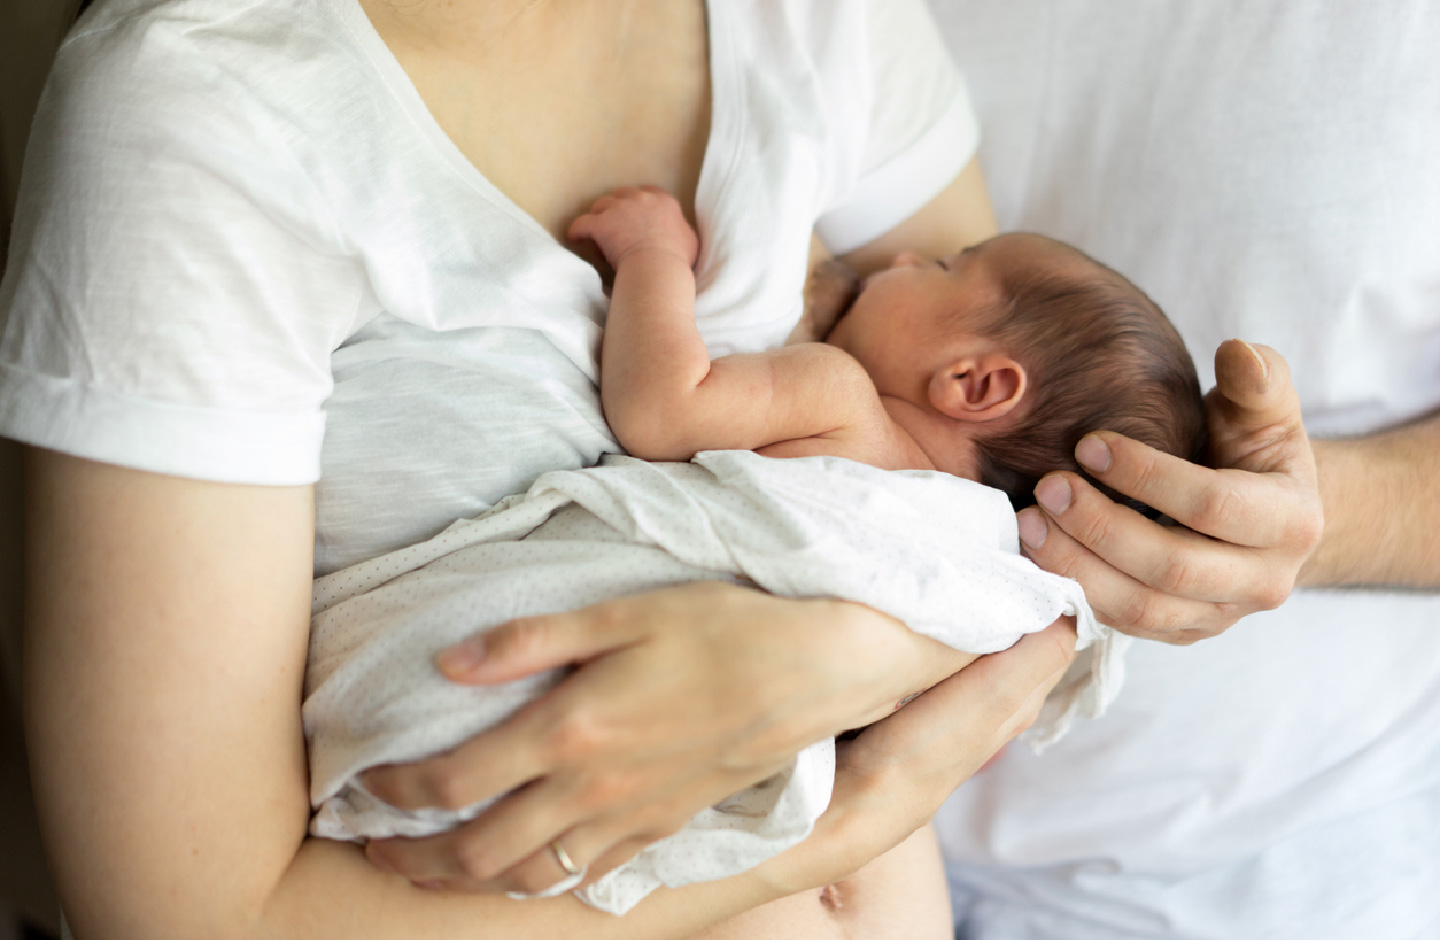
x=1005, y=355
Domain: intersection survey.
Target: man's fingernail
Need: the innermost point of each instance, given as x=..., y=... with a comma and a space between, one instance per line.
x=1260, y=360
x=1054, y=494
x=462, y=658
x=1032, y=528
x=1093, y=453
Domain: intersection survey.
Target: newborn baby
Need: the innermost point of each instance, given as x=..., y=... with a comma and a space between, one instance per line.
x=938, y=374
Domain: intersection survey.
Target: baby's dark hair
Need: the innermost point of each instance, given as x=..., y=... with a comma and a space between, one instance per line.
x=1100, y=355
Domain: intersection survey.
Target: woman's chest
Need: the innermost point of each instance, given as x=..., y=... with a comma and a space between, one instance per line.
x=555, y=115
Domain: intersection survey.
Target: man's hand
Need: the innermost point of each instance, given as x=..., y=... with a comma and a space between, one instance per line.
x=1246, y=527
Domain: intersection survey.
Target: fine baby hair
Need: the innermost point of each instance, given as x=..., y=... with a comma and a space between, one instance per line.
x=1101, y=355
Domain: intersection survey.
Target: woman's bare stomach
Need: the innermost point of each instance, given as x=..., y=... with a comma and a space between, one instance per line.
x=901, y=895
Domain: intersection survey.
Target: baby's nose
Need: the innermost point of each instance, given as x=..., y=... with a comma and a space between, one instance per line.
x=907, y=259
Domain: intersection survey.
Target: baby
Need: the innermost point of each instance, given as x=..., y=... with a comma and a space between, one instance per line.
x=959, y=367
x=988, y=365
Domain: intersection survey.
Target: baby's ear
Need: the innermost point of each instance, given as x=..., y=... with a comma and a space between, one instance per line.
x=978, y=387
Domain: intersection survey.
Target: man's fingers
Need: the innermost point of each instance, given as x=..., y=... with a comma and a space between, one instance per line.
x=1255, y=419
x=1118, y=599
x=1255, y=379
x=1239, y=507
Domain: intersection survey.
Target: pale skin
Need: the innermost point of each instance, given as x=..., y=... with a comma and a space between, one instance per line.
x=1278, y=511
x=158, y=860
x=901, y=383
x=164, y=684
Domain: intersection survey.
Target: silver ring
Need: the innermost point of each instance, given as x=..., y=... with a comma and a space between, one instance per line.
x=563, y=857
x=574, y=874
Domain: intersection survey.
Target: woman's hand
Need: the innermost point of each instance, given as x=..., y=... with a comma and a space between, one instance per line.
x=682, y=697
x=892, y=778
x=1250, y=524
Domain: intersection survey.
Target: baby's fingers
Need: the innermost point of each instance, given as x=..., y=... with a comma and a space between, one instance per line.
x=584, y=226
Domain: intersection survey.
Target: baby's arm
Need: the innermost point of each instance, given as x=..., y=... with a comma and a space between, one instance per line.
x=663, y=396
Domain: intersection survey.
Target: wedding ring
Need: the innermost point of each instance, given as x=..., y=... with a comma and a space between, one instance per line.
x=574, y=874
x=563, y=857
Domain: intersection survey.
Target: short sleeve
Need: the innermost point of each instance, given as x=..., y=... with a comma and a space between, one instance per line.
x=920, y=129
x=174, y=289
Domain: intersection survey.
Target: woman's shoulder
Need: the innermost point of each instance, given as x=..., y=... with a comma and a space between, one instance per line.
x=156, y=57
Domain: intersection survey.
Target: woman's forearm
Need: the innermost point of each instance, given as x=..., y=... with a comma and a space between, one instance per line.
x=165, y=653
x=1382, y=504
x=333, y=892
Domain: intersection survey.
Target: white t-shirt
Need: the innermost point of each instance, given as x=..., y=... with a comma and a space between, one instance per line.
x=1264, y=170
x=241, y=233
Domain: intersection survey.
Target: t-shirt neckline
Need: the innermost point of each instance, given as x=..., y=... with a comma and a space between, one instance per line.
x=720, y=146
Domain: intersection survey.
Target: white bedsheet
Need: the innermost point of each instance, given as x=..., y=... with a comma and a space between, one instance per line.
x=937, y=552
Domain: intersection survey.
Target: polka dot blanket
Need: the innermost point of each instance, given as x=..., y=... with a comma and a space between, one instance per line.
x=936, y=552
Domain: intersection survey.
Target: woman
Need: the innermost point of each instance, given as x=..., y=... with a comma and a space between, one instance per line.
x=262, y=176
x=355, y=207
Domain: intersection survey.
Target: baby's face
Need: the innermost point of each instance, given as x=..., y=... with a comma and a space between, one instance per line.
x=906, y=312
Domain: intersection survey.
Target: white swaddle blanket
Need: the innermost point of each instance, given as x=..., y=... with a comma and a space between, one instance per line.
x=936, y=552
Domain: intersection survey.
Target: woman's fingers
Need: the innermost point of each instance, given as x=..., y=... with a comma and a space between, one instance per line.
x=483, y=767
x=456, y=861
x=892, y=777
x=998, y=695
x=681, y=697
x=1006, y=689
x=518, y=826
x=595, y=850
x=529, y=645
x=433, y=862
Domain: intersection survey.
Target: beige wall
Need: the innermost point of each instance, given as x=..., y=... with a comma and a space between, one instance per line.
x=29, y=32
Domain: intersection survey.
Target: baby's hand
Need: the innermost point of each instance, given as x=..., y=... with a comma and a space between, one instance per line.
x=630, y=220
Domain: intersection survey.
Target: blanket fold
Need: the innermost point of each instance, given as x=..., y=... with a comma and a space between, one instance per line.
x=939, y=553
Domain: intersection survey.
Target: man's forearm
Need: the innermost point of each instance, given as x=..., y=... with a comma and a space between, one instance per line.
x=1382, y=506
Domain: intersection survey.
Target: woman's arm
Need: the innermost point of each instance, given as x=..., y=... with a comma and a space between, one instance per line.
x=681, y=697
x=165, y=650
x=958, y=217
